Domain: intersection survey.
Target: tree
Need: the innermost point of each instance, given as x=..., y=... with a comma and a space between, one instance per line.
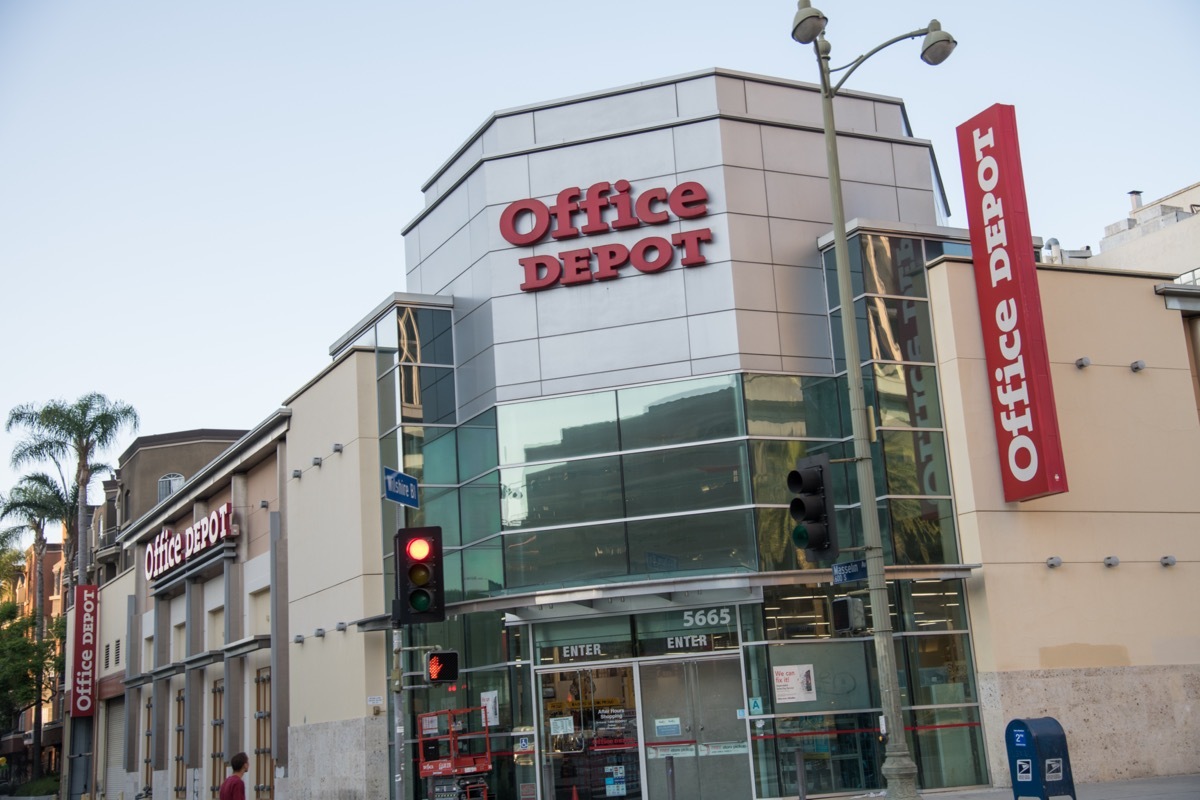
x=22, y=660
x=36, y=501
x=58, y=431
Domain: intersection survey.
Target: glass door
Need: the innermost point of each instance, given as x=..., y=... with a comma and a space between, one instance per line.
x=589, y=733
x=692, y=730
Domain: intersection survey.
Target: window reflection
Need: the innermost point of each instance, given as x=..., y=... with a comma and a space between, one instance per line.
x=903, y=395
x=545, y=430
x=573, y=555
x=682, y=479
x=793, y=405
x=683, y=411
x=561, y=493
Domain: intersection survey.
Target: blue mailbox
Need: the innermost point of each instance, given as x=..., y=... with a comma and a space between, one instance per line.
x=1037, y=760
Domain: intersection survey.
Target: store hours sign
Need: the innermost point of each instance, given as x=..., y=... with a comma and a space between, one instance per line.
x=605, y=208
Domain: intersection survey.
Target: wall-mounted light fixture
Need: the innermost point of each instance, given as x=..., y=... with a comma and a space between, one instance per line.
x=1167, y=561
x=341, y=626
x=319, y=633
x=316, y=461
x=264, y=503
x=298, y=638
x=296, y=473
x=337, y=447
x=1083, y=363
x=1053, y=562
x=1111, y=561
x=1138, y=365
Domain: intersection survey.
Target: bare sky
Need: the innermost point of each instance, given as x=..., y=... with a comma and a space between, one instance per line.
x=197, y=199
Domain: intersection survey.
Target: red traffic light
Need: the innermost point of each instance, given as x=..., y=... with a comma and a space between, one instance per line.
x=420, y=588
x=418, y=549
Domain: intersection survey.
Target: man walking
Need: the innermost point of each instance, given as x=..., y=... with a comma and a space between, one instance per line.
x=233, y=788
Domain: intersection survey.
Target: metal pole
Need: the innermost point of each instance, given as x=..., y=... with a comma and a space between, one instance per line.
x=670, y=764
x=400, y=710
x=899, y=770
x=800, y=787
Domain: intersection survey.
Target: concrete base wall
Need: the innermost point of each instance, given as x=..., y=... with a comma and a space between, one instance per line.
x=344, y=760
x=1121, y=722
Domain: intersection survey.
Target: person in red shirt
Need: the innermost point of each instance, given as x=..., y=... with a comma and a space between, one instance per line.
x=233, y=788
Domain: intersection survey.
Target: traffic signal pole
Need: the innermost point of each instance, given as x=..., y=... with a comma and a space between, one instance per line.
x=399, y=711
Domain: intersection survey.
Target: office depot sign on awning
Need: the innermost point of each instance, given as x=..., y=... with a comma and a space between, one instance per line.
x=1010, y=307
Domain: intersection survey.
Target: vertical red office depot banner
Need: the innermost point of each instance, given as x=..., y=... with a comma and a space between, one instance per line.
x=1010, y=307
x=82, y=678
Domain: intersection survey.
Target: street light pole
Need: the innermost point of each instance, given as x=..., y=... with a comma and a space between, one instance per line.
x=899, y=770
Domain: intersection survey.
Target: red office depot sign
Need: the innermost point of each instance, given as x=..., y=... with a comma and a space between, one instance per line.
x=82, y=677
x=171, y=548
x=1010, y=307
x=576, y=213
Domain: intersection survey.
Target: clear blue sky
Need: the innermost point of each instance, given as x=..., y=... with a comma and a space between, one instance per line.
x=197, y=199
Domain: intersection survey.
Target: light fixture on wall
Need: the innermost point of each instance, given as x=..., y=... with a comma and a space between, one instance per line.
x=296, y=473
x=264, y=503
x=341, y=626
x=298, y=638
x=1083, y=363
x=319, y=633
x=1167, y=561
x=1111, y=561
x=337, y=447
x=1138, y=366
x=316, y=461
x=1053, y=562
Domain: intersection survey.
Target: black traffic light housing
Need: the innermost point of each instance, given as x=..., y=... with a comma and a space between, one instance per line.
x=420, y=586
x=812, y=509
x=441, y=666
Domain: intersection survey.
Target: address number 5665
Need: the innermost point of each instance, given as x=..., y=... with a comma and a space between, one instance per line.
x=711, y=616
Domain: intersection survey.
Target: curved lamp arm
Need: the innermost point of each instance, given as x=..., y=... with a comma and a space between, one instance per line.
x=821, y=44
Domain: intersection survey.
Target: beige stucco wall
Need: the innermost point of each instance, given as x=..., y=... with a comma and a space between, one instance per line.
x=1092, y=646
x=334, y=551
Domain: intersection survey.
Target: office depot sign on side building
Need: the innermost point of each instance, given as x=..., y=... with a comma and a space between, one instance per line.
x=1010, y=307
x=170, y=548
x=605, y=207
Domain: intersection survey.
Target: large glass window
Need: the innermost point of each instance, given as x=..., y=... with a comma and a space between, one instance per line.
x=683, y=479
x=477, y=446
x=562, y=427
x=680, y=412
x=794, y=405
x=562, y=493
x=714, y=542
x=565, y=556
x=904, y=396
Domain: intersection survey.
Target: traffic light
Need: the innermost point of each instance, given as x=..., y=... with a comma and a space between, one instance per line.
x=812, y=508
x=847, y=615
x=420, y=588
x=441, y=666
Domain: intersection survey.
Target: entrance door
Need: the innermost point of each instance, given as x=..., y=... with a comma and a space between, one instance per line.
x=589, y=733
x=691, y=729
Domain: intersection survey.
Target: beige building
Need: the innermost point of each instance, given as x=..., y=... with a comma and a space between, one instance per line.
x=1112, y=652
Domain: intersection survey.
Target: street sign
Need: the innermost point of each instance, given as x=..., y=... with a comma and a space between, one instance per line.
x=850, y=571
x=400, y=488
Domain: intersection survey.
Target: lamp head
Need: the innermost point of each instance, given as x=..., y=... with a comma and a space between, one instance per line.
x=808, y=24
x=938, y=44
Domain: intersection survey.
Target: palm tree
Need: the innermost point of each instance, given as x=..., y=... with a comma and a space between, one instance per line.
x=37, y=500
x=58, y=431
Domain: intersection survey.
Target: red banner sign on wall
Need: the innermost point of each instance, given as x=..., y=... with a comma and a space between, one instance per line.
x=82, y=678
x=1010, y=307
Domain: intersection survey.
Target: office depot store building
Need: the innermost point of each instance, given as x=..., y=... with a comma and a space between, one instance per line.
x=621, y=331
x=645, y=339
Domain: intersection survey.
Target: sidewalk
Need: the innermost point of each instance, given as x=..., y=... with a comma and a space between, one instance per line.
x=1181, y=787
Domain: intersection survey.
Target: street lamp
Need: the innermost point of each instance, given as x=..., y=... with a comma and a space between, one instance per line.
x=808, y=27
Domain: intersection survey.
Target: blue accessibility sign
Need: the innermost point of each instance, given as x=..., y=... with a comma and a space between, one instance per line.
x=400, y=488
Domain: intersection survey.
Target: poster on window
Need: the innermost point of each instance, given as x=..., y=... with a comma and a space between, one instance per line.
x=490, y=708
x=795, y=684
